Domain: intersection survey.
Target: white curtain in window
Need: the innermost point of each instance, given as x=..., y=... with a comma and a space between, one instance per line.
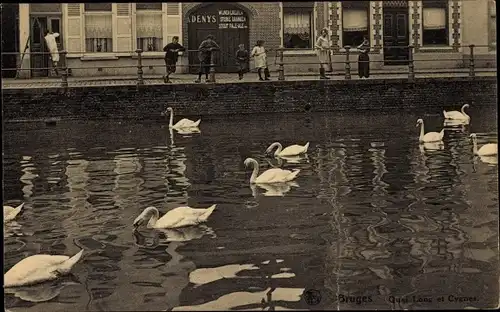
x=98, y=26
x=434, y=18
x=296, y=22
x=493, y=9
x=354, y=20
x=149, y=25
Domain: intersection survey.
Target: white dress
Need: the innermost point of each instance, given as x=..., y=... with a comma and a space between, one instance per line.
x=260, y=57
x=50, y=39
x=322, y=44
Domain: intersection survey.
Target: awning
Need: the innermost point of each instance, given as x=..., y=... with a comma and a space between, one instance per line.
x=354, y=20
x=434, y=18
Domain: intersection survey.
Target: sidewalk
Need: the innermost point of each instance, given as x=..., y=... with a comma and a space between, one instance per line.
x=12, y=83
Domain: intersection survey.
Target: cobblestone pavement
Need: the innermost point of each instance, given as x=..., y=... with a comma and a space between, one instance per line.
x=220, y=78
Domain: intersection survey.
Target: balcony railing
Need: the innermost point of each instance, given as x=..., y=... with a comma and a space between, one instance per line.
x=280, y=61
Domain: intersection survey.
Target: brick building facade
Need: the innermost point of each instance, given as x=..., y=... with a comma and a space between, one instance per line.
x=100, y=35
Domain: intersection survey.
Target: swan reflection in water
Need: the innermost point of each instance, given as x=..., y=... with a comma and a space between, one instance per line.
x=289, y=159
x=455, y=124
x=44, y=291
x=489, y=160
x=275, y=189
x=183, y=234
x=431, y=146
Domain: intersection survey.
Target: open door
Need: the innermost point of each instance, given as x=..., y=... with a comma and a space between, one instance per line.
x=37, y=45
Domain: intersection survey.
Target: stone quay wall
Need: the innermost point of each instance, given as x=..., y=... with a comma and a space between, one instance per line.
x=429, y=95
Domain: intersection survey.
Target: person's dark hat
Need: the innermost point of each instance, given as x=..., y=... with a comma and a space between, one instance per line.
x=210, y=37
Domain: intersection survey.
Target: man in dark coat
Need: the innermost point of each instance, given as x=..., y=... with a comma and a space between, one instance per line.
x=171, y=55
x=205, y=56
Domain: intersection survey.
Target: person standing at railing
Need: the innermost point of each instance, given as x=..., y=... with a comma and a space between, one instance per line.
x=364, y=59
x=260, y=58
x=171, y=55
x=205, y=50
x=50, y=40
x=323, y=51
x=242, y=58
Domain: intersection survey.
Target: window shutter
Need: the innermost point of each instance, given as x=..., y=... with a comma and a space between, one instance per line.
x=123, y=27
x=173, y=21
x=74, y=28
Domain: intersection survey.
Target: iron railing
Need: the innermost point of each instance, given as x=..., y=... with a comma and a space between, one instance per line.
x=279, y=61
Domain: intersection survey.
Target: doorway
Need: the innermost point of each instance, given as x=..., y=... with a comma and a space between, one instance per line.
x=39, y=62
x=10, y=38
x=228, y=24
x=396, y=35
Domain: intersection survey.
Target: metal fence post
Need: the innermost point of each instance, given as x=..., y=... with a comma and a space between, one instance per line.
x=212, y=70
x=347, y=63
x=64, y=74
x=281, y=65
x=140, y=78
x=471, y=61
x=411, y=64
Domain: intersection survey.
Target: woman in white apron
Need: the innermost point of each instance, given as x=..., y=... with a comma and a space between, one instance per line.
x=323, y=51
x=260, y=59
x=50, y=39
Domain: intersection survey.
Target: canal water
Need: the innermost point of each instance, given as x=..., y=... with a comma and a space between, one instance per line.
x=371, y=222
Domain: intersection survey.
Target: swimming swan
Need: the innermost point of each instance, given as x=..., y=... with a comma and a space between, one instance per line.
x=430, y=136
x=175, y=218
x=485, y=150
x=183, y=123
x=292, y=150
x=39, y=268
x=455, y=115
x=274, y=175
x=10, y=213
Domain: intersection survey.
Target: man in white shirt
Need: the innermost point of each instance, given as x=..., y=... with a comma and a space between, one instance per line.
x=50, y=39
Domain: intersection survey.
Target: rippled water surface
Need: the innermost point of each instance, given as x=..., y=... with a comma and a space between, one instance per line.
x=372, y=222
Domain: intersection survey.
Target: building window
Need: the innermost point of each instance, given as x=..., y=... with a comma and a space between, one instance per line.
x=435, y=22
x=355, y=26
x=98, y=27
x=493, y=24
x=149, y=26
x=297, y=28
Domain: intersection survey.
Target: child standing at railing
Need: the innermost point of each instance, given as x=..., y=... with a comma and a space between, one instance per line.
x=242, y=57
x=364, y=59
x=322, y=46
x=260, y=57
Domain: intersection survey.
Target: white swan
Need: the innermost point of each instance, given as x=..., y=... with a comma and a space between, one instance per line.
x=430, y=136
x=175, y=218
x=485, y=150
x=39, y=268
x=292, y=150
x=183, y=123
x=456, y=115
x=274, y=175
x=10, y=213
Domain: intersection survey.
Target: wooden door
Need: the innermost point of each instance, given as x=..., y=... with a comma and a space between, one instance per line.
x=37, y=44
x=228, y=24
x=396, y=37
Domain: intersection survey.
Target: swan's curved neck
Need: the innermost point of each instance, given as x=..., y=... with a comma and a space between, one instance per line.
x=255, y=171
x=463, y=111
x=155, y=215
x=474, y=146
x=171, y=122
x=422, y=131
x=279, y=149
